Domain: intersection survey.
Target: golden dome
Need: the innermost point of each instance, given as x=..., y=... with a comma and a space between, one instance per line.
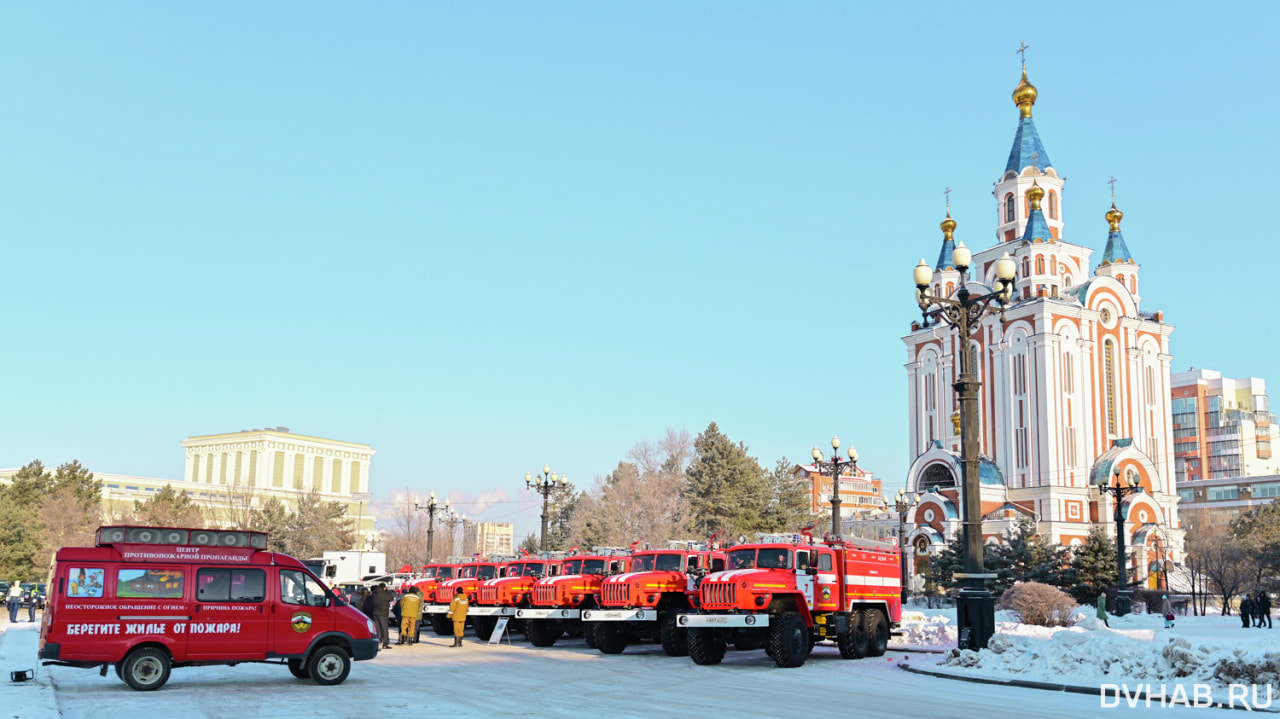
x=948, y=226
x=1034, y=195
x=1024, y=95
x=1113, y=217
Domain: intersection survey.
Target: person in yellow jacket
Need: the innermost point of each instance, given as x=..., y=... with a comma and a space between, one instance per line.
x=458, y=613
x=410, y=613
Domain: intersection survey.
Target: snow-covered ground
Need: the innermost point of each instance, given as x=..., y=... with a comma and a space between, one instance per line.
x=567, y=680
x=1213, y=650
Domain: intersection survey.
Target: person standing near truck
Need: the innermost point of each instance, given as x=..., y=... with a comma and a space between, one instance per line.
x=410, y=611
x=458, y=613
x=382, y=599
x=14, y=600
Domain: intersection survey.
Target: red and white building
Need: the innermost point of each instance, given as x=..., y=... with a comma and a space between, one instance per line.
x=1075, y=378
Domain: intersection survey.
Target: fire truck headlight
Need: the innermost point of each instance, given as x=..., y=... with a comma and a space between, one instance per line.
x=653, y=598
x=762, y=599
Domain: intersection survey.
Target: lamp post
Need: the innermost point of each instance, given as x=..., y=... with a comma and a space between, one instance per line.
x=964, y=311
x=835, y=466
x=902, y=504
x=545, y=484
x=451, y=520
x=1120, y=490
x=430, y=509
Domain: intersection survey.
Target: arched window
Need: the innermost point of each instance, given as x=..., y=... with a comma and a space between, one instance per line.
x=1009, y=215
x=1026, y=267
x=1053, y=265
x=1066, y=280
x=1133, y=284
x=1109, y=367
x=1053, y=205
x=1120, y=279
x=950, y=288
x=1039, y=264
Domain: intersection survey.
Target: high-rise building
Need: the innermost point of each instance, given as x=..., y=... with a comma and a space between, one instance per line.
x=860, y=493
x=490, y=539
x=1075, y=377
x=1222, y=428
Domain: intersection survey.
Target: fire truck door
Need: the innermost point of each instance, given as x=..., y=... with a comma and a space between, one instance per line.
x=804, y=580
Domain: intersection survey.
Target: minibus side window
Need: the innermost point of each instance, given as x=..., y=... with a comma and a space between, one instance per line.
x=231, y=585
x=149, y=583
x=297, y=587
x=85, y=581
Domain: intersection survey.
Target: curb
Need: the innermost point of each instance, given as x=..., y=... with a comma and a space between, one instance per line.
x=33, y=699
x=1053, y=687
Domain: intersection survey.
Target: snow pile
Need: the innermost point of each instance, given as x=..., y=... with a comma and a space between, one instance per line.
x=1082, y=655
x=936, y=628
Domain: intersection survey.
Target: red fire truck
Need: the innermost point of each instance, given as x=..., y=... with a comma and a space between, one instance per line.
x=786, y=596
x=644, y=602
x=432, y=575
x=504, y=595
x=148, y=599
x=558, y=602
x=469, y=577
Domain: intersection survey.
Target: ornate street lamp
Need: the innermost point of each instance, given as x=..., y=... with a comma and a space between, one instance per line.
x=1120, y=490
x=964, y=311
x=545, y=484
x=835, y=466
x=902, y=504
x=430, y=509
x=451, y=519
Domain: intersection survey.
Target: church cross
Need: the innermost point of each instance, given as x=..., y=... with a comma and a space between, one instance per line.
x=1112, y=182
x=947, y=192
x=1035, y=160
x=1023, y=52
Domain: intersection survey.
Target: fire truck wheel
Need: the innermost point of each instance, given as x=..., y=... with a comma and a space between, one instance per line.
x=298, y=669
x=441, y=625
x=329, y=665
x=484, y=627
x=789, y=640
x=543, y=633
x=877, y=633
x=611, y=637
x=589, y=633
x=706, y=646
x=853, y=643
x=674, y=640
x=146, y=669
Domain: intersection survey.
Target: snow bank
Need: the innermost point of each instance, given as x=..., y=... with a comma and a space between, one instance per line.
x=1137, y=648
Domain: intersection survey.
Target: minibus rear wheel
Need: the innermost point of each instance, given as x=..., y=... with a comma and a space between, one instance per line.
x=147, y=669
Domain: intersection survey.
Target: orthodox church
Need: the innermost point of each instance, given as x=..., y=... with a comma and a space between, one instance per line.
x=1075, y=380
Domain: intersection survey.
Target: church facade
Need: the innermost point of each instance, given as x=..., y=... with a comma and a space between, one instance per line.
x=1075, y=379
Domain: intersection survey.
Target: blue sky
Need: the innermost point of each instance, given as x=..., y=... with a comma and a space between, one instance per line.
x=485, y=236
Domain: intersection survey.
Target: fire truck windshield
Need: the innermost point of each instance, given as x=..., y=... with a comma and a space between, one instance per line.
x=593, y=566
x=573, y=566
x=529, y=570
x=486, y=572
x=766, y=559
x=642, y=563
x=466, y=572
x=444, y=572
x=669, y=563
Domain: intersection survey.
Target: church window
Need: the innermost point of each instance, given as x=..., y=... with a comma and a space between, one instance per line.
x=1039, y=264
x=1053, y=205
x=1053, y=265
x=1109, y=368
x=1150, y=376
x=1120, y=278
x=950, y=288
x=1026, y=266
x=1066, y=280
x=1009, y=215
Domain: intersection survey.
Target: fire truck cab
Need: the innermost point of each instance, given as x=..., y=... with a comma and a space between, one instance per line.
x=559, y=602
x=786, y=596
x=148, y=599
x=469, y=577
x=504, y=595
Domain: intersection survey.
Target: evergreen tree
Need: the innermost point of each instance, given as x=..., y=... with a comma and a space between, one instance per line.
x=1093, y=567
x=726, y=488
x=169, y=508
x=787, y=509
x=20, y=529
x=530, y=543
x=78, y=480
x=1025, y=557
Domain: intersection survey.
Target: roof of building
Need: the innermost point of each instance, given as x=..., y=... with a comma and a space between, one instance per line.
x=1026, y=142
x=1037, y=228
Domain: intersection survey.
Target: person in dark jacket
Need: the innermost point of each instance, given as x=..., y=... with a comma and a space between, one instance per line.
x=1246, y=610
x=1262, y=609
x=365, y=599
x=382, y=599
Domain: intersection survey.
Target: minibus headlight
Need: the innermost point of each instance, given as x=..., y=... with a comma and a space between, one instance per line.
x=373, y=628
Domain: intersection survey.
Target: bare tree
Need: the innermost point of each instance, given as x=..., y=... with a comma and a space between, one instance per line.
x=406, y=541
x=642, y=499
x=66, y=520
x=1217, y=561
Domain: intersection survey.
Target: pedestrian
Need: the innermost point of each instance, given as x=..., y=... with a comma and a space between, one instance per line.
x=366, y=602
x=34, y=593
x=382, y=599
x=1246, y=610
x=1102, y=610
x=1262, y=609
x=410, y=612
x=1166, y=608
x=458, y=613
x=14, y=600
